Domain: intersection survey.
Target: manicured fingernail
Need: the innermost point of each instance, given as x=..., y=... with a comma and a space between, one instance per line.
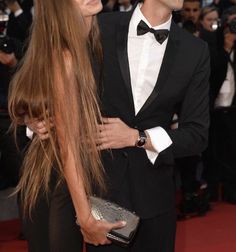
x=124, y=223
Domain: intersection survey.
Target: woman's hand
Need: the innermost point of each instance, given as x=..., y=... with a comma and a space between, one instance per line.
x=95, y=231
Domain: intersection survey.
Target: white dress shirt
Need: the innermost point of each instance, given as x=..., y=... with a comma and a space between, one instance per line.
x=145, y=58
x=227, y=91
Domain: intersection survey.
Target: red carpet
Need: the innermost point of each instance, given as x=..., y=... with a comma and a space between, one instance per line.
x=215, y=232
x=9, y=232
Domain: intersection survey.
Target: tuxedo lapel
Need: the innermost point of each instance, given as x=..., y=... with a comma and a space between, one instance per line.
x=167, y=63
x=122, y=52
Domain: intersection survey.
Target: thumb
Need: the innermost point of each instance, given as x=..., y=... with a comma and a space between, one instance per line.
x=118, y=225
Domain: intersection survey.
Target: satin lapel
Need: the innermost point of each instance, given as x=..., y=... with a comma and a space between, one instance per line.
x=167, y=64
x=122, y=38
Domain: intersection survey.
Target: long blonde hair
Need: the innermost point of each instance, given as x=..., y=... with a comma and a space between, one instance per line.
x=58, y=27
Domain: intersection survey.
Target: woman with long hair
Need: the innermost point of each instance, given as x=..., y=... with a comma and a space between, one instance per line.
x=55, y=80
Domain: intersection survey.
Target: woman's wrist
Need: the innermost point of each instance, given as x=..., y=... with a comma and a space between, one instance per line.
x=85, y=221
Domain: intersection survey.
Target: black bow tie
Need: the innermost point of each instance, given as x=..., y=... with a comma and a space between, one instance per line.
x=160, y=35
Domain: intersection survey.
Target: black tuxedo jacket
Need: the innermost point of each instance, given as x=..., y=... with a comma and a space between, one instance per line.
x=18, y=27
x=181, y=88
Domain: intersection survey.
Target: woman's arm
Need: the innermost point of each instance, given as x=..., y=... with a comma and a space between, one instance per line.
x=93, y=231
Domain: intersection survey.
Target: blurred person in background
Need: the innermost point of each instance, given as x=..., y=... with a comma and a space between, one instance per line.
x=118, y=5
x=14, y=25
x=209, y=31
x=193, y=187
x=191, y=10
x=125, y=5
x=223, y=106
x=209, y=19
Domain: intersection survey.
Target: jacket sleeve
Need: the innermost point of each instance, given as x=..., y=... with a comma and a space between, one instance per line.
x=190, y=138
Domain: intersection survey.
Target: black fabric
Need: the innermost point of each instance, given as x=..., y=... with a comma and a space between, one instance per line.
x=18, y=27
x=188, y=173
x=160, y=35
x=52, y=226
x=10, y=156
x=155, y=234
x=226, y=143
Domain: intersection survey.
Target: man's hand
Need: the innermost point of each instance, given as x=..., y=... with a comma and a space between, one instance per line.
x=38, y=127
x=115, y=134
x=8, y=59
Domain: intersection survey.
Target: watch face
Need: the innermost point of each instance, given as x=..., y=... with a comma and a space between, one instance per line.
x=141, y=142
x=142, y=139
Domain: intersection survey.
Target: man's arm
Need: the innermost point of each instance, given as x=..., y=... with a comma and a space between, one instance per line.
x=190, y=138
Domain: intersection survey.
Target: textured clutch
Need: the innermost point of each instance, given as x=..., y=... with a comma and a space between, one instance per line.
x=111, y=212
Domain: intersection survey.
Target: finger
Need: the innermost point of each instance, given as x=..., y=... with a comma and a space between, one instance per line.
x=104, y=127
x=43, y=136
x=105, y=135
x=104, y=147
x=118, y=225
x=106, y=242
x=42, y=131
x=51, y=122
x=35, y=125
x=108, y=120
x=100, y=127
x=101, y=140
x=40, y=124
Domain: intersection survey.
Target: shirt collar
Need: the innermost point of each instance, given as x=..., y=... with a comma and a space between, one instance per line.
x=138, y=16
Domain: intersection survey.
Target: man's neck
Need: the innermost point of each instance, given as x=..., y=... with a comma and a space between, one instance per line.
x=155, y=12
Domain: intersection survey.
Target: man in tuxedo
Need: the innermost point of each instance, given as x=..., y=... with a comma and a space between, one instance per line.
x=152, y=70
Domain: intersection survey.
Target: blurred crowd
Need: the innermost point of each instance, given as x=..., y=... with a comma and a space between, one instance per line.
x=211, y=175
x=15, y=21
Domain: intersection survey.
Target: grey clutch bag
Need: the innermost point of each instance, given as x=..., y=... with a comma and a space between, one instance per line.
x=111, y=212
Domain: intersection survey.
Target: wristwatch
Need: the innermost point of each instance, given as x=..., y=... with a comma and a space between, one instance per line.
x=142, y=139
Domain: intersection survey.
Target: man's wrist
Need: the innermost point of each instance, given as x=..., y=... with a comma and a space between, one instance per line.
x=134, y=137
x=141, y=140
